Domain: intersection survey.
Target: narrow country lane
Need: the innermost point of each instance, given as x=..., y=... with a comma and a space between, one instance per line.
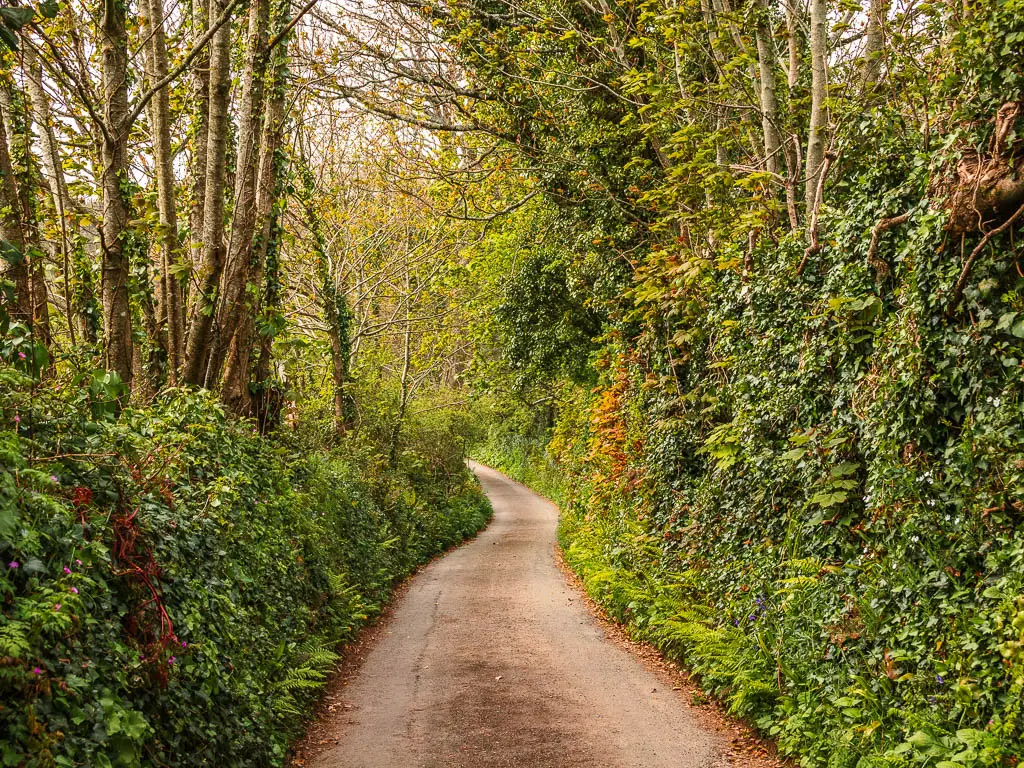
x=490, y=659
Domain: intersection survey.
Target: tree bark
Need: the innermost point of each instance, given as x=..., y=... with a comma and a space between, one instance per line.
x=878, y=11
x=816, y=135
x=233, y=312
x=237, y=374
x=169, y=293
x=78, y=295
x=793, y=43
x=200, y=139
x=769, y=103
x=27, y=181
x=13, y=266
x=117, y=320
x=212, y=257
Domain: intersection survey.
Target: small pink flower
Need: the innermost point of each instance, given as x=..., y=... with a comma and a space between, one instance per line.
x=66, y=569
x=56, y=607
x=37, y=671
x=74, y=590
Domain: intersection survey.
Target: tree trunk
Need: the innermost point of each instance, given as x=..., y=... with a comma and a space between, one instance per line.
x=13, y=266
x=793, y=43
x=27, y=181
x=878, y=11
x=237, y=373
x=117, y=321
x=200, y=116
x=404, y=385
x=816, y=135
x=769, y=104
x=169, y=293
x=78, y=296
x=208, y=274
x=233, y=312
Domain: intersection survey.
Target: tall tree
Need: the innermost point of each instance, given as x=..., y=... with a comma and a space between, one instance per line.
x=117, y=320
x=208, y=270
x=169, y=291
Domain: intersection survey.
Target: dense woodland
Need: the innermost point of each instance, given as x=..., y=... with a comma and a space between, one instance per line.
x=735, y=281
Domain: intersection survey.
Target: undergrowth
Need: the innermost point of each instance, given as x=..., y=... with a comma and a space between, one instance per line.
x=837, y=687
x=173, y=585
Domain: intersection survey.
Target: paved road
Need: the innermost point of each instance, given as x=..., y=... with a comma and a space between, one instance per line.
x=490, y=659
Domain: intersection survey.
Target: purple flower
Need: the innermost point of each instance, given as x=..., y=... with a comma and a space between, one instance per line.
x=74, y=590
x=14, y=564
x=66, y=569
x=37, y=671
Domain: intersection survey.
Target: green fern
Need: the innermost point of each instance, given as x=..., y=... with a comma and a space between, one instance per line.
x=313, y=662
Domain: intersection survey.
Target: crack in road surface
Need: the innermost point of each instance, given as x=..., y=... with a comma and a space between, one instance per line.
x=490, y=659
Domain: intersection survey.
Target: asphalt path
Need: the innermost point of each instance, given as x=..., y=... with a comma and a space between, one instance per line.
x=491, y=659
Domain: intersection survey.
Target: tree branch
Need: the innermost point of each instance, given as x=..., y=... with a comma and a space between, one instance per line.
x=175, y=73
x=961, y=283
x=884, y=225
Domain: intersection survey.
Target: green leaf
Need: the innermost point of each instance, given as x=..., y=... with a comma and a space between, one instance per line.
x=920, y=740
x=16, y=18
x=826, y=499
x=9, y=252
x=1006, y=320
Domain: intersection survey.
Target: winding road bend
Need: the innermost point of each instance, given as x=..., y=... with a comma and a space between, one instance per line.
x=491, y=659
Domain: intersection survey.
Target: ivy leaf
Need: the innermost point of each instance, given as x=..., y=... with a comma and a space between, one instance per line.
x=9, y=252
x=825, y=499
x=16, y=18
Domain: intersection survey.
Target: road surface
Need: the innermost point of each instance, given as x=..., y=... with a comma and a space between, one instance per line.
x=491, y=659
